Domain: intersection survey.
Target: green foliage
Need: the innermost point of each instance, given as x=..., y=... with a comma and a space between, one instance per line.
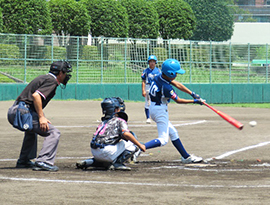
x=214, y=20
x=9, y=51
x=59, y=53
x=90, y=53
x=161, y=53
x=261, y=53
x=69, y=17
x=26, y=17
x=176, y=19
x=109, y=18
x=142, y=18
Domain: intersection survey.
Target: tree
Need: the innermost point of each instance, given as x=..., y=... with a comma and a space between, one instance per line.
x=26, y=17
x=214, y=20
x=109, y=18
x=176, y=19
x=69, y=17
x=142, y=18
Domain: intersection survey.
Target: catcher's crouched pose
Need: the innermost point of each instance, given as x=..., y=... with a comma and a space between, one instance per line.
x=112, y=143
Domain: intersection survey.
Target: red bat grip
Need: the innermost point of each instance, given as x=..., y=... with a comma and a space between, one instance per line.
x=226, y=117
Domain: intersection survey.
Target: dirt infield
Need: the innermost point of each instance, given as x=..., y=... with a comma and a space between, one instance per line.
x=237, y=171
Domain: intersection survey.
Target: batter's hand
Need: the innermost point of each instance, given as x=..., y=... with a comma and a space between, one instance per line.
x=199, y=101
x=195, y=96
x=43, y=124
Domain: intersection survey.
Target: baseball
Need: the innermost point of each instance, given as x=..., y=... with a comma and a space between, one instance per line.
x=252, y=123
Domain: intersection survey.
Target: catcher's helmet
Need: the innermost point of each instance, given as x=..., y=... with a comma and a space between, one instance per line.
x=58, y=66
x=109, y=105
x=170, y=67
x=152, y=57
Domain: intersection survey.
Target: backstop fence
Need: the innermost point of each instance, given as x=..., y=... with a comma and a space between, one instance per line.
x=122, y=60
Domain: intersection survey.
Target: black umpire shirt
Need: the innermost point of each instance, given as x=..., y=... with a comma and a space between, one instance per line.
x=45, y=85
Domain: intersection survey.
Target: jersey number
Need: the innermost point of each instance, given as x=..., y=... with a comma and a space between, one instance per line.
x=153, y=89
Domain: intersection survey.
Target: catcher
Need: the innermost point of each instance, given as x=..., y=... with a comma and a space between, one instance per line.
x=112, y=144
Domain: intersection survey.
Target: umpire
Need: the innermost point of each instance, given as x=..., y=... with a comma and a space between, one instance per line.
x=34, y=98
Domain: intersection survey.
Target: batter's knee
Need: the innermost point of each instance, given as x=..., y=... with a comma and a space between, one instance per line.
x=174, y=136
x=163, y=141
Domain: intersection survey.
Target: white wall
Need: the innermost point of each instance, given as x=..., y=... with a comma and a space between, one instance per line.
x=254, y=33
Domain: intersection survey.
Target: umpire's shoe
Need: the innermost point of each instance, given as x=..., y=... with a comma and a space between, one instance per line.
x=25, y=164
x=43, y=166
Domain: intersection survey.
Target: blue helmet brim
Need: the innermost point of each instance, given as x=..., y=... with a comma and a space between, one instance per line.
x=181, y=71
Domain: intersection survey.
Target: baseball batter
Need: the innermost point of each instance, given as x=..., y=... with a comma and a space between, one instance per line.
x=112, y=143
x=160, y=93
x=147, y=77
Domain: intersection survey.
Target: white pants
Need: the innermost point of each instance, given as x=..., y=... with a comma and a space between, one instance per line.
x=159, y=113
x=110, y=152
x=147, y=97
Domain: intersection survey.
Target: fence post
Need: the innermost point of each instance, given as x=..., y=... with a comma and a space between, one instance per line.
x=267, y=66
x=52, y=49
x=125, y=65
x=190, y=62
x=77, y=64
x=248, y=62
x=210, y=56
x=101, y=77
x=230, y=66
x=170, y=48
x=25, y=56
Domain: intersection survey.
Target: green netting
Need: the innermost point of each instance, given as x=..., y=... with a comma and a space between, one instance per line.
x=122, y=60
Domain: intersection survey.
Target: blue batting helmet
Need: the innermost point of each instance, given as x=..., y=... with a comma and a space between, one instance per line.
x=152, y=57
x=170, y=67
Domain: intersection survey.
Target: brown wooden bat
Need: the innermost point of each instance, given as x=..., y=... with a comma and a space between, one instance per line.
x=226, y=117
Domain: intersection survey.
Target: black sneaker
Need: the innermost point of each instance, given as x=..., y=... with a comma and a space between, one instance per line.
x=25, y=164
x=43, y=166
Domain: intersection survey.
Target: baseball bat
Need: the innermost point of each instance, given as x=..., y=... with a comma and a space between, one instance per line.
x=226, y=117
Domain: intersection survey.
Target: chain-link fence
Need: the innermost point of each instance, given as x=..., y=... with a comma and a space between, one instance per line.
x=122, y=60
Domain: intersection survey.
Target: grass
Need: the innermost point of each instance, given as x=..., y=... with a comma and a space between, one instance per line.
x=114, y=72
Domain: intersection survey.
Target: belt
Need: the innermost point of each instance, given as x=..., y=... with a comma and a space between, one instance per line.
x=95, y=145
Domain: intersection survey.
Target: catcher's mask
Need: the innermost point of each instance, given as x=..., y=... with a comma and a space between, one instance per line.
x=63, y=66
x=108, y=106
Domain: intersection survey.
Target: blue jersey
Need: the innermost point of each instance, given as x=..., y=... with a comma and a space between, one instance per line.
x=161, y=91
x=149, y=74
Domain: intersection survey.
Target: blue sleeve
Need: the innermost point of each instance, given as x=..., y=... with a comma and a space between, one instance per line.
x=143, y=76
x=169, y=92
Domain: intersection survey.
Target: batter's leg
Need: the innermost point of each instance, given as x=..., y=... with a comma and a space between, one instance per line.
x=176, y=141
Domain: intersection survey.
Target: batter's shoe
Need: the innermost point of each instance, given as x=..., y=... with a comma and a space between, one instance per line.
x=25, y=164
x=117, y=166
x=191, y=159
x=43, y=166
x=148, y=121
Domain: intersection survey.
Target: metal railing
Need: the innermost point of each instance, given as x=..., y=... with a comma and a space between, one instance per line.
x=122, y=60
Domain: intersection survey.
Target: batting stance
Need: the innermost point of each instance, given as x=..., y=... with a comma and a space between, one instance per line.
x=160, y=93
x=26, y=114
x=112, y=143
x=147, y=77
